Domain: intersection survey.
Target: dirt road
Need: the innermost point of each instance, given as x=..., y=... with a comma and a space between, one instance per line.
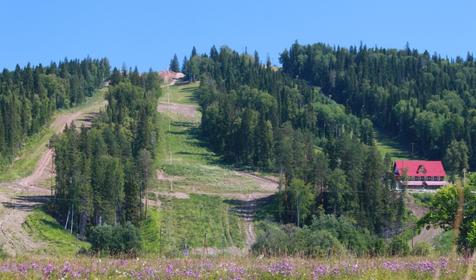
x=246, y=204
x=20, y=197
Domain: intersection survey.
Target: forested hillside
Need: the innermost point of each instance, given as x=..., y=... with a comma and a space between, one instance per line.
x=102, y=172
x=29, y=96
x=424, y=100
x=255, y=115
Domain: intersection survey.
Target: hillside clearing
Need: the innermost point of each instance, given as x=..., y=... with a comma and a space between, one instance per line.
x=21, y=197
x=187, y=166
x=45, y=228
x=201, y=221
x=36, y=146
x=387, y=145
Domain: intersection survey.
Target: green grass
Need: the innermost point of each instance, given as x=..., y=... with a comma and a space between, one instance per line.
x=184, y=156
x=190, y=223
x=150, y=232
x=387, y=145
x=31, y=153
x=45, y=228
x=184, y=94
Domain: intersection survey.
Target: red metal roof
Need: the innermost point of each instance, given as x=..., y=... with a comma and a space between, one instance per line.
x=419, y=168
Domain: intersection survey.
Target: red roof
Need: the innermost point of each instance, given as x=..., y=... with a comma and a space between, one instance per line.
x=419, y=168
x=169, y=75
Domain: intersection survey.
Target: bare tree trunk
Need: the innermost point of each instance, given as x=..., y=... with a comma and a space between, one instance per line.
x=67, y=220
x=72, y=216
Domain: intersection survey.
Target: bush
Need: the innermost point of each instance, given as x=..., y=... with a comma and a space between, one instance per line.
x=423, y=199
x=278, y=240
x=444, y=242
x=320, y=243
x=399, y=247
x=272, y=240
x=379, y=248
x=355, y=239
x=421, y=249
x=114, y=240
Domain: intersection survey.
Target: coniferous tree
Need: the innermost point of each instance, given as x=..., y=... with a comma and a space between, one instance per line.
x=104, y=172
x=174, y=64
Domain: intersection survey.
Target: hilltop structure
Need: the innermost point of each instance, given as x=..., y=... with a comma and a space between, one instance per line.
x=170, y=77
x=419, y=174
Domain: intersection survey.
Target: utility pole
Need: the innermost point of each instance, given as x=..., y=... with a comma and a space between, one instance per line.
x=297, y=208
x=205, y=245
x=170, y=150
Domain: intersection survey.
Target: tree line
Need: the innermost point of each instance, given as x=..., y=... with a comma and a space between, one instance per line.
x=103, y=172
x=255, y=115
x=427, y=101
x=29, y=96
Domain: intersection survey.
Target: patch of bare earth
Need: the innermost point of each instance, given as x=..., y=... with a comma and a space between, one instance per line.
x=161, y=176
x=22, y=196
x=185, y=110
x=247, y=203
x=426, y=234
x=246, y=206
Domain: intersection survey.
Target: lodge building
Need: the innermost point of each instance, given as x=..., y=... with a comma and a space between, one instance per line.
x=419, y=174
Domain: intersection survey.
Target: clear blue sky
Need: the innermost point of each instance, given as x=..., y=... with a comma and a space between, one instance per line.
x=148, y=33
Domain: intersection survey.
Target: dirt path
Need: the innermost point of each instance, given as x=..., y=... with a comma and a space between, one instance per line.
x=246, y=204
x=22, y=196
x=425, y=235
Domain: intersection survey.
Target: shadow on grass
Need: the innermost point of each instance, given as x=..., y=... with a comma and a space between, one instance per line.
x=255, y=209
x=392, y=146
x=194, y=92
x=26, y=203
x=193, y=138
x=52, y=224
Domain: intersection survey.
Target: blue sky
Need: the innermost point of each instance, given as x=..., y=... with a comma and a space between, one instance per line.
x=148, y=33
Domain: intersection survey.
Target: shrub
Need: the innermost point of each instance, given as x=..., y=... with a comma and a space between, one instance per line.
x=320, y=243
x=272, y=240
x=114, y=240
x=379, y=247
x=355, y=239
x=399, y=247
x=444, y=242
x=423, y=198
x=289, y=239
x=421, y=249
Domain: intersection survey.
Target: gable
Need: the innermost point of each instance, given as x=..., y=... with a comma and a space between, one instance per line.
x=419, y=168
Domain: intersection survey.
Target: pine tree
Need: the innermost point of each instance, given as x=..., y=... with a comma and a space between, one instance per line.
x=174, y=64
x=184, y=65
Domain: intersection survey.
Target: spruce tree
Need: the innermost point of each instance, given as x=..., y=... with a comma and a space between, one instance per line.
x=174, y=64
